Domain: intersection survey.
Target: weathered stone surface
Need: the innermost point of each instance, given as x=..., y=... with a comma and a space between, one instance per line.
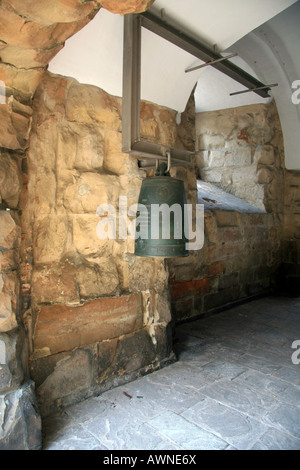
x=71, y=283
x=87, y=104
x=22, y=81
x=146, y=272
x=10, y=180
x=9, y=294
x=265, y=155
x=211, y=142
x=95, y=280
x=13, y=357
x=49, y=238
x=28, y=58
x=14, y=129
x=72, y=373
x=86, y=291
x=90, y=191
x=20, y=421
x=80, y=146
x=85, y=239
x=54, y=283
x=46, y=14
x=60, y=327
x=126, y=6
x=18, y=31
x=114, y=160
x=235, y=147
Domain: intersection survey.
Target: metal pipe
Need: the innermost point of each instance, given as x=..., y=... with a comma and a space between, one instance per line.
x=253, y=89
x=210, y=63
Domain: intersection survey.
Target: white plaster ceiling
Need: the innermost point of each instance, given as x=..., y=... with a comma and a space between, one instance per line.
x=95, y=54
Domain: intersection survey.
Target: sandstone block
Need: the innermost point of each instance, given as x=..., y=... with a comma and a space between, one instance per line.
x=14, y=128
x=134, y=352
x=10, y=180
x=54, y=283
x=58, y=11
x=28, y=58
x=114, y=160
x=41, y=203
x=265, y=155
x=227, y=218
x=18, y=31
x=162, y=308
x=89, y=146
x=90, y=191
x=87, y=104
x=13, y=353
x=72, y=373
x=210, y=227
x=23, y=81
x=126, y=6
x=264, y=176
x=202, y=159
x=213, y=175
x=49, y=238
x=146, y=273
x=211, y=141
x=85, y=239
x=61, y=327
x=20, y=422
x=95, y=280
x=260, y=135
x=9, y=231
x=9, y=292
x=238, y=156
x=217, y=158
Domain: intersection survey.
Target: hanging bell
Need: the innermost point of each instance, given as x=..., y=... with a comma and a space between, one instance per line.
x=161, y=216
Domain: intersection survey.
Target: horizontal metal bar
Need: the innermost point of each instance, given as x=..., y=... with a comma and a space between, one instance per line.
x=253, y=89
x=210, y=63
x=153, y=152
x=161, y=150
x=190, y=45
x=149, y=162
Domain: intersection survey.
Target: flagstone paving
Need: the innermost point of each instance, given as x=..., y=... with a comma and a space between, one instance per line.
x=236, y=385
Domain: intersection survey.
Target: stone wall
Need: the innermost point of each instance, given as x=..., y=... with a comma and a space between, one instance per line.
x=290, y=269
x=239, y=150
x=239, y=260
x=20, y=422
x=31, y=34
x=97, y=315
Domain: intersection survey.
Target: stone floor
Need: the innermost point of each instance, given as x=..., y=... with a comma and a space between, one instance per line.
x=236, y=385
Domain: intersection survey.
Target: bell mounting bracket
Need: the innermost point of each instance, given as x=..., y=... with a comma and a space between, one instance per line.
x=148, y=152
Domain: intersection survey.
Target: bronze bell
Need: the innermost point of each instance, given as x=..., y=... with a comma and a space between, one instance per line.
x=161, y=216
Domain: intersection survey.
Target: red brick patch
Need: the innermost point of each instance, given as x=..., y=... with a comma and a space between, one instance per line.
x=181, y=289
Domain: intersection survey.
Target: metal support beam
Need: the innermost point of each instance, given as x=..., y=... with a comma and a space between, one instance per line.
x=190, y=45
x=131, y=140
x=131, y=81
